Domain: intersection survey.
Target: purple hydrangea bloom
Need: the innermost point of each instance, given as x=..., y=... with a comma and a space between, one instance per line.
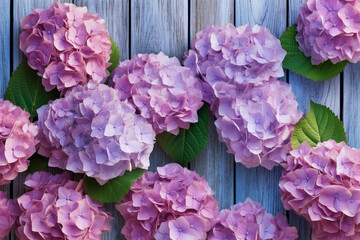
x=57, y=208
x=92, y=131
x=67, y=45
x=18, y=139
x=250, y=221
x=164, y=92
x=322, y=184
x=235, y=55
x=329, y=29
x=8, y=214
x=174, y=203
x=256, y=125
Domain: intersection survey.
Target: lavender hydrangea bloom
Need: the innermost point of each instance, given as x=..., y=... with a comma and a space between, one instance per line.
x=67, y=45
x=91, y=131
x=250, y=221
x=18, y=138
x=8, y=215
x=322, y=184
x=164, y=92
x=256, y=125
x=329, y=29
x=57, y=208
x=235, y=55
x=174, y=203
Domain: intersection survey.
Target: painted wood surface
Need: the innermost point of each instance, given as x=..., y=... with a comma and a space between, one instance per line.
x=146, y=26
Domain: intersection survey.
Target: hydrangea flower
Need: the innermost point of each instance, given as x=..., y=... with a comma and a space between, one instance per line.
x=67, y=45
x=250, y=220
x=256, y=125
x=174, y=203
x=322, y=184
x=91, y=131
x=57, y=208
x=8, y=214
x=164, y=92
x=329, y=29
x=235, y=55
x=18, y=139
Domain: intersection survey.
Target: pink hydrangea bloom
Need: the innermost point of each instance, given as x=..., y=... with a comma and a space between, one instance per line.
x=67, y=45
x=174, y=203
x=256, y=125
x=57, y=208
x=250, y=221
x=8, y=214
x=92, y=131
x=322, y=184
x=164, y=92
x=18, y=138
x=235, y=55
x=329, y=29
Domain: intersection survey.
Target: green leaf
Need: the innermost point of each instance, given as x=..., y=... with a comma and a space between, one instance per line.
x=296, y=61
x=37, y=163
x=26, y=90
x=115, y=189
x=188, y=144
x=114, y=57
x=319, y=125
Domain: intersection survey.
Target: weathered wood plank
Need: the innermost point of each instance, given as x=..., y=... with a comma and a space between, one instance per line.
x=159, y=25
x=214, y=163
x=116, y=15
x=5, y=39
x=351, y=106
x=327, y=93
x=258, y=183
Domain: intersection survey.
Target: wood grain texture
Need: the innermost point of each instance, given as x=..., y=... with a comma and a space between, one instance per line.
x=214, y=155
x=260, y=184
x=116, y=15
x=351, y=106
x=159, y=25
x=326, y=93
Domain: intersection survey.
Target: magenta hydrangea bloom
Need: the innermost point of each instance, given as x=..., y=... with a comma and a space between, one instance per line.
x=329, y=29
x=322, y=184
x=8, y=214
x=174, y=203
x=67, y=45
x=164, y=92
x=18, y=139
x=250, y=221
x=57, y=208
x=235, y=55
x=92, y=131
x=257, y=125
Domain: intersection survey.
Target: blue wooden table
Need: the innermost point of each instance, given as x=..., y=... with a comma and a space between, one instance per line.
x=146, y=26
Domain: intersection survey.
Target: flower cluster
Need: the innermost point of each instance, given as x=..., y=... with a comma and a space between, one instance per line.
x=18, y=138
x=91, y=131
x=174, y=203
x=235, y=55
x=8, y=214
x=67, y=45
x=239, y=67
x=164, y=92
x=256, y=125
x=329, y=30
x=250, y=220
x=323, y=185
x=56, y=208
